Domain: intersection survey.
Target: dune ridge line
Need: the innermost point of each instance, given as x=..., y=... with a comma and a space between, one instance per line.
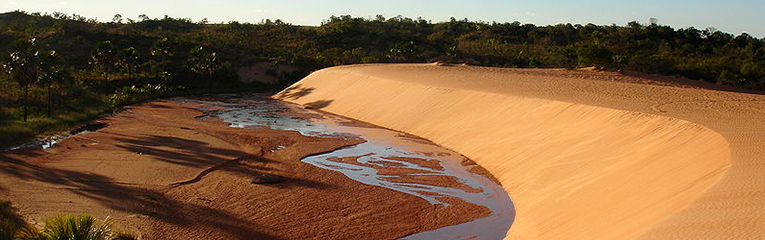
x=573, y=171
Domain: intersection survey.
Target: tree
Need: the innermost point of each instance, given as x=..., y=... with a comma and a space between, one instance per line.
x=103, y=54
x=128, y=58
x=117, y=18
x=22, y=66
x=594, y=55
x=163, y=48
x=51, y=71
x=203, y=62
x=402, y=51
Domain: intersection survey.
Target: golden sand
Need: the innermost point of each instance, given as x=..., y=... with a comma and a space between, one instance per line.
x=583, y=154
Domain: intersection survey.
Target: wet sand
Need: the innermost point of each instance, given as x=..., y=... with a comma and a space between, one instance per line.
x=583, y=154
x=161, y=172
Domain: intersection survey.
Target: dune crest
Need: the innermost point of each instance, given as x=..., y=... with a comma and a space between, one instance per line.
x=575, y=170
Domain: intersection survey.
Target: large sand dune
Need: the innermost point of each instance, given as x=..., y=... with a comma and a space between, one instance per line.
x=583, y=155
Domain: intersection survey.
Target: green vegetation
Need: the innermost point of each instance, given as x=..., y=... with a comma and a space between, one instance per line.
x=595, y=55
x=69, y=227
x=62, y=227
x=106, y=65
x=104, y=56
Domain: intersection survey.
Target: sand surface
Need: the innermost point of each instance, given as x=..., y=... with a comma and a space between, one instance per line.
x=161, y=173
x=583, y=154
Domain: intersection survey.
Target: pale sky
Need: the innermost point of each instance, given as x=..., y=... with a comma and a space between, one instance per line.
x=732, y=16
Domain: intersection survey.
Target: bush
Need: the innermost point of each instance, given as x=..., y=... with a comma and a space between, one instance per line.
x=133, y=94
x=83, y=227
x=594, y=55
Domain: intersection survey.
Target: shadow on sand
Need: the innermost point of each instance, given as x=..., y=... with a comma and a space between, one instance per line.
x=153, y=202
x=136, y=200
x=295, y=92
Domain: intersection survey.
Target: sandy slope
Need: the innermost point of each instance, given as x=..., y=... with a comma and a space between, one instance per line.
x=583, y=155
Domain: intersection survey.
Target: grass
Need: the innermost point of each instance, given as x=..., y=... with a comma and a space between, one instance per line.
x=70, y=227
x=16, y=131
x=62, y=227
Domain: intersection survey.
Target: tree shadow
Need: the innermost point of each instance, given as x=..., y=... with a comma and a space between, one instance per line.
x=32, y=151
x=295, y=92
x=154, y=202
x=318, y=104
x=253, y=167
x=250, y=168
x=132, y=199
x=198, y=154
x=154, y=105
x=181, y=151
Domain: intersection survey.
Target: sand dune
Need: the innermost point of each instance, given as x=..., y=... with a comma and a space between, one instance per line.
x=583, y=155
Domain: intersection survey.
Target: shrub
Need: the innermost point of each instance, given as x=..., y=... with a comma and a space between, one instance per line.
x=69, y=227
x=134, y=94
x=595, y=55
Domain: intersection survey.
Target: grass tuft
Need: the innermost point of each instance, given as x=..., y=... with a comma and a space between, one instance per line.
x=70, y=227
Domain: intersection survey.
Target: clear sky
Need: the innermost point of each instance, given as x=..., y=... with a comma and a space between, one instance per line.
x=733, y=16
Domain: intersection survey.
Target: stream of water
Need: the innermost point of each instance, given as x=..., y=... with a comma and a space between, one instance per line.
x=387, y=159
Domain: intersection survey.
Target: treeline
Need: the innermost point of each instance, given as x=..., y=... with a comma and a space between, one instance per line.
x=30, y=65
x=706, y=54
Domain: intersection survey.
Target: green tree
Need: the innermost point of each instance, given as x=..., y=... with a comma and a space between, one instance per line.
x=103, y=55
x=22, y=66
x=163, y=48
x=753, y=71
x=203, y=62
x=129, y=58
x=402, y=51
x=594, y=55
x=51, y=71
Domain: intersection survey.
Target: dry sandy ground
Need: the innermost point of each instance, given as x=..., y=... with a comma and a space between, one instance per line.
x=583, y=154
x=159, y=172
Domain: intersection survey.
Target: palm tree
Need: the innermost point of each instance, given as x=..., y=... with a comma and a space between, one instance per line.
x=51, y=71
x=22, y=65
x=203, y=62
x=103, y=54
x=129, y=58
x=163, y=48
